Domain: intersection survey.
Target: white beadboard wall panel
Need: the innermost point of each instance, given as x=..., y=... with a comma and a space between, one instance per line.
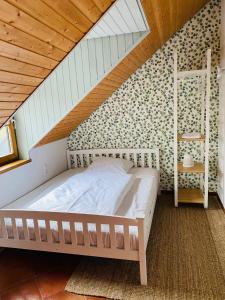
x=47, y=162
x=125, y=16
x=87, y=64
x=92, y=61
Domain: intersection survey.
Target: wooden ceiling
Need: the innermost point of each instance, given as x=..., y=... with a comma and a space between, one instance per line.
x=165, y=17
x=34, y=37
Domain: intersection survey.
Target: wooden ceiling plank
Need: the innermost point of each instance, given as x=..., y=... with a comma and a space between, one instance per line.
x=19, y=79
x=115, y=78
x=98, y=96
x=15, y=88
x=17, y=53
x=154, y=30
x=70, y=13
x=46, y=15
x=109, y=82
x=103, y=4
x=9, y=105
x=89, y=9
x=162, y=18
x=120, y=73
x=106, y=87
x=3, y=119
x=137, y=60
x=17, y=18
x=128, y=65
x=101, y=91
x=12, y=65
x=12, y=97
x=24, y=40
x=6, y=112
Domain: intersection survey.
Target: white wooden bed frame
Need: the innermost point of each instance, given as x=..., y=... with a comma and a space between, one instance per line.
x=82, y=158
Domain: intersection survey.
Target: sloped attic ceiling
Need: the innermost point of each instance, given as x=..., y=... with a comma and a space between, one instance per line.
x=34, y=37
x=79, y=72
x=164, y=18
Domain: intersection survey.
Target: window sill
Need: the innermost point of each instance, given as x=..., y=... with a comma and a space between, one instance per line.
x=13, y=165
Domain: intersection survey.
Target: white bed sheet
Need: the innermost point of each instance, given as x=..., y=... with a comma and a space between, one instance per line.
x=140, y=199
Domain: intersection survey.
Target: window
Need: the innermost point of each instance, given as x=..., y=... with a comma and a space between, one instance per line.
x=8, y=146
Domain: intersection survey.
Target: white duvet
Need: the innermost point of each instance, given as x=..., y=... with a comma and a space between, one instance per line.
x=94, y=191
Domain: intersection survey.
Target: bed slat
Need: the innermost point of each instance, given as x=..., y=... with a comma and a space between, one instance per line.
x=4, y=230
x=130, y=154
x=48, y=231
x=75, y=160
x=126, y=237
x=60, y=230
x=86, y=234
x=112, y=236
x=14, y=229
x=135, y=160
x=142, y=160
x=99, y=235
x=73, y=234
x=25, y=229
x=36, y=230
x=150, y=159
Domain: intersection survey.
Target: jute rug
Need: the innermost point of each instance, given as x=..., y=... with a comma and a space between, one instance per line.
x=185, y=259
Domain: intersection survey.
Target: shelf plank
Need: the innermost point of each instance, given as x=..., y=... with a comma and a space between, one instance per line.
x=181, y=139
x=197, y=168
x=190, y=196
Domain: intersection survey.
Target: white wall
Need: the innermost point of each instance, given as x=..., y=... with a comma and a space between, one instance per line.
x=221, y=149
x=47, y=161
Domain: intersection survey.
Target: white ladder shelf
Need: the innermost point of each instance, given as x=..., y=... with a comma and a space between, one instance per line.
x=193, y=195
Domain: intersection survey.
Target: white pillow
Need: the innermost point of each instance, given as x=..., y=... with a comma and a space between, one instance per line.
x=108, y=162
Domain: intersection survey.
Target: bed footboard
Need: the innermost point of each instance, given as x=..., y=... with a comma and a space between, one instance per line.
x=34, y=230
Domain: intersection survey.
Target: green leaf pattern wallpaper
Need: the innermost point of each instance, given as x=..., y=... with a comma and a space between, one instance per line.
x=140, y=113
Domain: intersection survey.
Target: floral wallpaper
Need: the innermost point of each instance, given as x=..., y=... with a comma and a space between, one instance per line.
x=140, y=113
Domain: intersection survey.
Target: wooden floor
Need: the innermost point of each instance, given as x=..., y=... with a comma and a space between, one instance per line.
x=36, y=275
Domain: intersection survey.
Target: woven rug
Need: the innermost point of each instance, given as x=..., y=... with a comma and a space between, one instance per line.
x=185, y=259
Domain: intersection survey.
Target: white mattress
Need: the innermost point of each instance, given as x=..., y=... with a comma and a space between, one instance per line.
x=140, y=199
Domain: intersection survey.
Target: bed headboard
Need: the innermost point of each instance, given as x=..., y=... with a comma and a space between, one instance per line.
x=140, y=157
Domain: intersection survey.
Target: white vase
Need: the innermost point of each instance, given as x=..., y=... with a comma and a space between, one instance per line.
x=188, y=161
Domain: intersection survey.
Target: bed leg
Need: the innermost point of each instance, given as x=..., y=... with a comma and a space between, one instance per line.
x=143, y=270
x=142, y=249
